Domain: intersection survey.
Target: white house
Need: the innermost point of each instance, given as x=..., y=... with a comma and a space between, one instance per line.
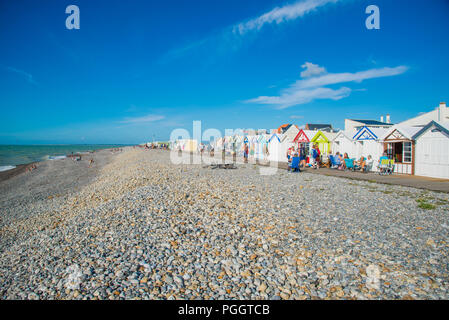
x=432, y=150
x=354, y=125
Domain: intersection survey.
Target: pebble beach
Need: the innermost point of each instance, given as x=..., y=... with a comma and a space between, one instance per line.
x=136, y=226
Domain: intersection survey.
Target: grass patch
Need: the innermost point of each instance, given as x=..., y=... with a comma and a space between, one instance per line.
x=423, y=204
x=426, y=206
x=387, y=191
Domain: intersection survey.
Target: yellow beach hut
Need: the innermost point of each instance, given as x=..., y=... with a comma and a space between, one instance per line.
x=323, y=141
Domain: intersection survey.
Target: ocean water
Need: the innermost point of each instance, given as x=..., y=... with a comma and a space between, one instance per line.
x=13, y=155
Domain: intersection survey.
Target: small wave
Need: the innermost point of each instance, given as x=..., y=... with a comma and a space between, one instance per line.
x=56, y=157
x=6, y=168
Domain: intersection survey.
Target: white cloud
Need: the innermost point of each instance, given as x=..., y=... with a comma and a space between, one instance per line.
x=334, y=78
x=312, y=86
x=231, y=37
x=26, y=75
x=311, y=70
x=289, y=98
x=281, y=14
x=294, y=116
x=147, y=118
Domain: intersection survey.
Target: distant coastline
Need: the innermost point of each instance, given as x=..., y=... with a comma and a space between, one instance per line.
x=14, y=157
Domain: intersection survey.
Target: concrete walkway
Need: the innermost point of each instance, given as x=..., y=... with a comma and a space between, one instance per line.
x=433, y=184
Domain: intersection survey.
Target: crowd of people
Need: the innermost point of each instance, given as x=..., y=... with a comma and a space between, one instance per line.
x=315, y=159
x=312, y=158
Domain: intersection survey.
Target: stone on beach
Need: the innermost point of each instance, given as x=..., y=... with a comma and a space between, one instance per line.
x=145, y=228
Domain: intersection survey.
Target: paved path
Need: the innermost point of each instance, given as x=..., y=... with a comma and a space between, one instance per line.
x=433, y=184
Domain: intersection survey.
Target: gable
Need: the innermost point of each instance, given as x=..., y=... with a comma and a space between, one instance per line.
x=365, y=134
x=341, y=136
x=320, y=137
x=274, y=137
x=301, y=137
x=395, y=135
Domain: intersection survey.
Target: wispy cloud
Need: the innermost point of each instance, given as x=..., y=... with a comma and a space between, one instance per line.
x=144, y=119
x=231, y=38
x=312, y=86
x=294, y=116
x=289, y=98
x=26, y=75
x=282, y=14
x=334, y=78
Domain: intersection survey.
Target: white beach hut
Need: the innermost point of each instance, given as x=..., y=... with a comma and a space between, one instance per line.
x=343, y=143
x=368, y=141
x=432, y=150
x=276, y=148
x=262, y=150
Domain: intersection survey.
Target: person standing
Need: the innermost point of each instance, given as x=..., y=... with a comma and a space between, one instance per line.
x=245, y=152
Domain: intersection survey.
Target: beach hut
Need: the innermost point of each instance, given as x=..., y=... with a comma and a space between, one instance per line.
x=368, y=141
x=187, y=145
x=291, y=133
x=276, y=149
x=252, y=145
x=432, y=150
x=323, y=141
x=190, y=145
x=342, y=142
x=262, y=147
x=399, y=145
x=302, y=141
x=238, y=144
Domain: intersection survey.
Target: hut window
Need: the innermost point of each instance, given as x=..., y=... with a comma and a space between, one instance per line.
x=407, y=152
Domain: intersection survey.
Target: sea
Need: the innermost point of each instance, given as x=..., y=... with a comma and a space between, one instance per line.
x=13, y=155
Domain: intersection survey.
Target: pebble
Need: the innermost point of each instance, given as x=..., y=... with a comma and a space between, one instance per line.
x=145, y=228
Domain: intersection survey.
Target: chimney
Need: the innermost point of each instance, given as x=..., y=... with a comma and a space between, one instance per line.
x=441, y=110
x=388, y=118
x=381, y=118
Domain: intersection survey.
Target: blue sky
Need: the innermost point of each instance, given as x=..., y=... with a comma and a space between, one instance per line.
x=136, y=70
